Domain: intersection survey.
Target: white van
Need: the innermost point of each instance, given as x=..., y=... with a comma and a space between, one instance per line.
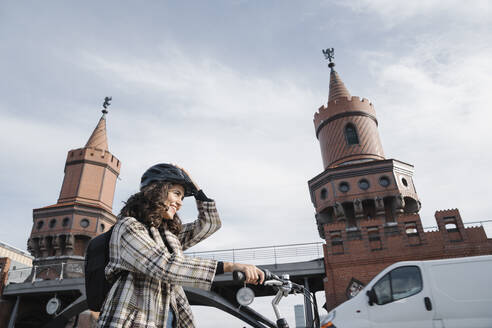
x=426, y=294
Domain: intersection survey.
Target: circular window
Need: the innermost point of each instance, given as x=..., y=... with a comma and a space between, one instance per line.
x=65, y=222
x=324, y=193
x=53, y=223
x=84, y=223
x=384, y=181
x=363, y=184
x=40, y=224
x=404, y=181
x=102, y=227
x=343, y=186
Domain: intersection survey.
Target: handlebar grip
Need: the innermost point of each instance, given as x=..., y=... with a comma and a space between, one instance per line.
x=238, y=276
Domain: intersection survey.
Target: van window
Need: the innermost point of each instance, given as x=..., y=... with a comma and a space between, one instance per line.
x=383, y=290
x=399, y=283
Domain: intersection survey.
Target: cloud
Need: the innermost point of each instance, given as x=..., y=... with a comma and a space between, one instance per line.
x=434, y=100
x=401, y=12
x=244, y=138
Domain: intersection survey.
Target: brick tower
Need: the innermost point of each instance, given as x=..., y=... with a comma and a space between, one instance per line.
x=367, y=206
x=358, y=182
x=60, y=232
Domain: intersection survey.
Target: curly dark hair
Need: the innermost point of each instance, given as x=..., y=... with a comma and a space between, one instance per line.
x=148, y=207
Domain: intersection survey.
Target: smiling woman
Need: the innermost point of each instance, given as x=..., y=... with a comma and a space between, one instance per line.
x=156, y=206
x=147, y=267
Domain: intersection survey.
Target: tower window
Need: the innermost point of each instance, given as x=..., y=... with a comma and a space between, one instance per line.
x=102, y=227
x=363, y=184
x=411, y=229
x=343, y=186
x=384, y=181
x=65, y=222
x=52, y=223
x=450, y=224
x=40, y=224
x=84, y=223
x=336, y=238
x=351, y=134
x=324, y=193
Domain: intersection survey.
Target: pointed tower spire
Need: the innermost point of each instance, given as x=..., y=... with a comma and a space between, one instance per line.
x=98, y=138
x=337, y=88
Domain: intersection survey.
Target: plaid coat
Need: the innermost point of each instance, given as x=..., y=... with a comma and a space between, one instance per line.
x=149, y=278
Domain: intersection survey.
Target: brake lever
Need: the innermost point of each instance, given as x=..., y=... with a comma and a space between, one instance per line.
x=272, y=282
x=298, y=287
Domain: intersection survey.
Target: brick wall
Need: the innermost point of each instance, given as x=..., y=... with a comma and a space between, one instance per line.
x=5, y=305
x=362, y=256
x=4, y=270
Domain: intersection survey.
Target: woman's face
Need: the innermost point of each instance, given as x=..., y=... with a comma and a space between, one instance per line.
x=174, y=200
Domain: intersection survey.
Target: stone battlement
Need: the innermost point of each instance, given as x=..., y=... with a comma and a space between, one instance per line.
x=407, y=229
x=451, y=212
x=343, y=105
x=93, y=154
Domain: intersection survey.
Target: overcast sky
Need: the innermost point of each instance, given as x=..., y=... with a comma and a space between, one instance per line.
x=228, y=90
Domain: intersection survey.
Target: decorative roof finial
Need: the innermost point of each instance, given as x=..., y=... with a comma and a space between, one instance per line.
x=107, y=102
x=330, y=55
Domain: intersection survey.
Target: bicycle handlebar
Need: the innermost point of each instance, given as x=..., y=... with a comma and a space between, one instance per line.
x=284, y=287
x=270, y=280
x=241, y=277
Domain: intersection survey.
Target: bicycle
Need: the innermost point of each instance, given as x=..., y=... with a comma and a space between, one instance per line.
x=284, y=287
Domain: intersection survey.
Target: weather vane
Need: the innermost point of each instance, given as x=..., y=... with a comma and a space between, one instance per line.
x=107, y=102
x=330, y=55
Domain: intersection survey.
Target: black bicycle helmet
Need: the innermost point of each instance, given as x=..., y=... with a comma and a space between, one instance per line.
x=168, y=172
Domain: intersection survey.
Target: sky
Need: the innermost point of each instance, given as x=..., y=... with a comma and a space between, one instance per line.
x=228, y=90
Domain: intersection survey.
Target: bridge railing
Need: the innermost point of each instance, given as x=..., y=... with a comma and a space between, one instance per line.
x=35, y=273
x=265, y=255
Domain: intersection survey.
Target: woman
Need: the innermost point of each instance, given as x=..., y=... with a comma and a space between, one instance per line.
x=147, y=264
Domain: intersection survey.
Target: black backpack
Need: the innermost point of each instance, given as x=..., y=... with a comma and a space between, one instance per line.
x=96, y=259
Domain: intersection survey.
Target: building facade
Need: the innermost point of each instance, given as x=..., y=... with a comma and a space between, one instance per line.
x=11, y=258
x=367, y=205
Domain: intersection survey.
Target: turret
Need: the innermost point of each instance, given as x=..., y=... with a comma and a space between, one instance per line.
x=357, y=182
x=347, y=127
x=60, y=232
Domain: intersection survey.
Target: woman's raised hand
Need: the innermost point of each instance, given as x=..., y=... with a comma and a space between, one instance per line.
x=189, y=176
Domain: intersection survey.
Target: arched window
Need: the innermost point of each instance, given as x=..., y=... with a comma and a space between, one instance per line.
x=411, y=229
x=351, y=134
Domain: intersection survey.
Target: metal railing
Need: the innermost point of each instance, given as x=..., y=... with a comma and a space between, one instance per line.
x=265, y=255
x=46, y=272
